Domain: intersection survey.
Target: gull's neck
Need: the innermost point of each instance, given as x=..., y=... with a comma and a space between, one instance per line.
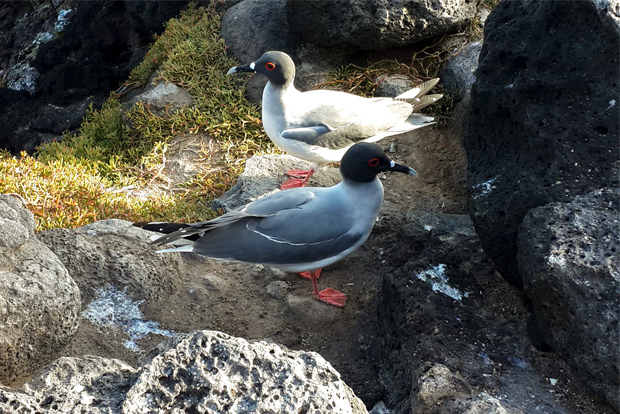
x=365, y=191
x=288, y=87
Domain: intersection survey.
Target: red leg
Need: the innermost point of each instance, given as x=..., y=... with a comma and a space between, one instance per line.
x=299, y=178
x=298, y=173
x=311, y=274
x=328, y=295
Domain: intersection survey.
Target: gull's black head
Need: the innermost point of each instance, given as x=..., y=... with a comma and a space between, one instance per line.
x=363, y=161
x=278, y=67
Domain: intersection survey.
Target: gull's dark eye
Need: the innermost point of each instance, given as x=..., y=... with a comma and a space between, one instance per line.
x=373, y=162
x=270, y=65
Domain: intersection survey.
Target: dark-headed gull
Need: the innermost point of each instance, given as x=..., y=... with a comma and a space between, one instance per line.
x=320, y=125
x=299, y=229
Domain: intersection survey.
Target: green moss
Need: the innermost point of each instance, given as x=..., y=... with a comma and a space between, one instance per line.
x=102, y=143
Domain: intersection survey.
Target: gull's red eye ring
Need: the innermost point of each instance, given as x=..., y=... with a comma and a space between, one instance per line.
x=270, y=65
x=373, y=162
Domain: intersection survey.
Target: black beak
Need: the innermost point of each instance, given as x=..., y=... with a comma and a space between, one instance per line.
x=241, y=68
x=403, y=169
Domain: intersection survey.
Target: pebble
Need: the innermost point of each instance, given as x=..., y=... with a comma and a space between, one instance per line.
x=277, y=289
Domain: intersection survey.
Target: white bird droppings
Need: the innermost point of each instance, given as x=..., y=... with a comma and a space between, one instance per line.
x=112, y=307
x=484, y=188
x=436, y=277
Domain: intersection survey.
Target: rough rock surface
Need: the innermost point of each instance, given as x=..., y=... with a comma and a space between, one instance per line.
x=265, y=22
x=568, y=256
x=262, y=21
x=24, y=27
x=16, y=402
x=439, y=390
x=393, y=85
x=39, y=302
x=436, y=383
x=375, y=25
x=65, y=55
x=545, y=127
x=444, y=306
x=458, y=73
x=213, y=372
x=113, y=252
x=163, y=98
x=87, y=384
x=204, y=371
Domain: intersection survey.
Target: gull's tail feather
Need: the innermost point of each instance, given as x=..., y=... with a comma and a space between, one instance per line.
x=414, y=121
x=413, y=95
x=183, y=233
x=171, y=232
x=425, y=101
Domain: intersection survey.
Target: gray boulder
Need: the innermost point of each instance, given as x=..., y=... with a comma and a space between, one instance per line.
x=252, y=27
x=204, y=371
x=436, y=383
x=458, y=73
x=16, y=402
x=439, y=390
x=568, y=256
x=82, y=384
x=113, y=252
x=543, y=120
x=393, y=85
x=87, y=384
x=447, y=305
x=39, y=302
x=375, y=24
x=262, y=21
x=163, y=98
x=210, y=372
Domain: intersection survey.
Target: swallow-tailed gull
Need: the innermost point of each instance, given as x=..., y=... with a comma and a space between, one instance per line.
x=320, y=125
x=299, y=229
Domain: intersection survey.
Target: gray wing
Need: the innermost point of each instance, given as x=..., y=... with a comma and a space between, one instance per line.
x=303, y=234
x=306, y=134
x=263, y=207
x=298, y=216
x=280, y=201
x=328, y=139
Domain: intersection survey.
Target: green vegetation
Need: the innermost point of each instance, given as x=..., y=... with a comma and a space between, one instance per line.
x=70, y=194
x=111, y=167
x=362, y=80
